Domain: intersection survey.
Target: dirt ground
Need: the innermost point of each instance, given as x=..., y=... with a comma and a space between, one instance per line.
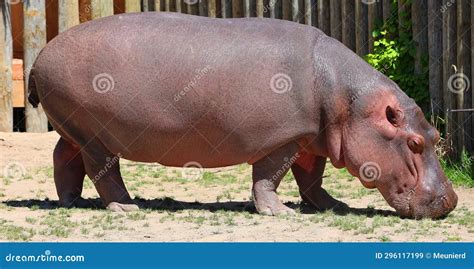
x=194, y=205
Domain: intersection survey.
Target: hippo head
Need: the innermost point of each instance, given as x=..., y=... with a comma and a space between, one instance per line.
x=388, y=144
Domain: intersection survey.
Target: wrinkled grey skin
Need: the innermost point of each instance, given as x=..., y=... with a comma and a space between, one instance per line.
x=212, y=91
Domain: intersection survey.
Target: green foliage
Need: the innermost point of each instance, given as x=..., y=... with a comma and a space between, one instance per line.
x=394, y=55
x=460, y=173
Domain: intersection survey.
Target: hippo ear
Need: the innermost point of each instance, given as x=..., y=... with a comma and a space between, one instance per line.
x=394, y=116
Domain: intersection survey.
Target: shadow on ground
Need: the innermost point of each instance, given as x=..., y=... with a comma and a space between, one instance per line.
x=169, y=204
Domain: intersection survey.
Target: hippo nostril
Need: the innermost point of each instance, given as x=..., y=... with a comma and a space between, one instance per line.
x=445, y=202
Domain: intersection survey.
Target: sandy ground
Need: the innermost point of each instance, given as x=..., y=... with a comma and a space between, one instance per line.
x=195, y=206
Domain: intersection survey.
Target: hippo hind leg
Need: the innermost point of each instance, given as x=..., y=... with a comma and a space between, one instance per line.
x=308, y=171
x=69, y=174
x=103, y=169
x=267, y=174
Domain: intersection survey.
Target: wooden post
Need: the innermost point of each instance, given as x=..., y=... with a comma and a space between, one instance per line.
x=225, y=9
x=259, y=8
x=6, y=82
x=435, y=46
x=132, y=6
x=402, y=15
x=157, y=5
x=179, y=4
x=146, y=5
x=387, y=10
x=285, y=9
x=361, y=28
x=212, y=9
x=348, y=26
x=246, y=8
x=295, y=10
x=308, y=12
x=34, y=39
x=419, y=18
x=335, y=11
x=449, y=59
x=68, y=14
x=101, y=8
x=371, y=17
x=323, y=16
x=237, y=8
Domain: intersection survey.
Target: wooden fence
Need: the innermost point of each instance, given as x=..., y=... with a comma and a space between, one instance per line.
x=442, y=32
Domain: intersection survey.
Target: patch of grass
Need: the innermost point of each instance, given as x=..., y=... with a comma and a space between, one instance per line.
x=58, y=224
x=460, y=173
x=15, y=233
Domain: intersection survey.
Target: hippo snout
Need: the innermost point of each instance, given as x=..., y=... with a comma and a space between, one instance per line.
x=439, y=206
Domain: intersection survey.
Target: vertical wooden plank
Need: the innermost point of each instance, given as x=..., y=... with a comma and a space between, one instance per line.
x=259, y=8
x=202, y=6
x=419, y=18
x=463, y=64
x=167, y=5
x=361, y=28
x=285, y=9
x=449, y=59
x=435, y=42
x=387, y=9
x=246, y=8
x=157, y=5
x=295, y=13
x=68, y=14
x=371, y=17
x=101, y=8
x=348, y=27
x=212, y=9
x=145, y=5
x=308, y=12
x=237, y=8
x=335, y=11
x=34, y=39
x=6, y=81
x=132, y=6
x=178, y=4
x=323, y=16
x=225, y=9
x=272, y=7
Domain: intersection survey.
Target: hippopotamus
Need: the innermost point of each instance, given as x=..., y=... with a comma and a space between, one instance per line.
x=172, y=89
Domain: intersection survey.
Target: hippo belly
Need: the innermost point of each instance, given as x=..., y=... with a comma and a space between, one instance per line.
x=172, y=88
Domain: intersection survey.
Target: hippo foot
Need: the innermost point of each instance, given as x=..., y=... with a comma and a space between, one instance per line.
x=323, y=201
x=117, y=207
x=267, y=203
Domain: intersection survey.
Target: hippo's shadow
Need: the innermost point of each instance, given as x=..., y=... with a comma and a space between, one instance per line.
x=169, y=204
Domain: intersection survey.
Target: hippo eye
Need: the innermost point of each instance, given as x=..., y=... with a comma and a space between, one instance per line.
x=394, y=116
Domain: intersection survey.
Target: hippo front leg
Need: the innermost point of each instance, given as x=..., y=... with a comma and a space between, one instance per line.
x=267, y=174
x=308, y=171
x=103, y=169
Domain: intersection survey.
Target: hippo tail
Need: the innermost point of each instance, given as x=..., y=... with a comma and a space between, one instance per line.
x=33, y=97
